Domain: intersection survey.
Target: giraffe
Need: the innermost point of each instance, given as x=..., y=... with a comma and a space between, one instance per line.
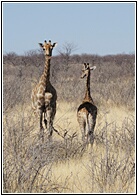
x=44, y=95
x=87, y=111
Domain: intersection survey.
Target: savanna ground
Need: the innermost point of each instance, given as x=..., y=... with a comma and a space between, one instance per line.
x=64, y=165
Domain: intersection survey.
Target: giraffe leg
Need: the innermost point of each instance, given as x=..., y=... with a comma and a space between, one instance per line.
x=49, y=122
x=45, y=121
x=41, y=126
x=83, y=130
x=91, y=137
x=92, y=133
x=52, y=118
x=87, y=130
x=92, y=122
x=50, y=128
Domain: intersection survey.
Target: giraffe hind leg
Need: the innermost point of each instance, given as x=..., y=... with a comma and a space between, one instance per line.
x=91, y=137
x=92, y=122
x=82, y=125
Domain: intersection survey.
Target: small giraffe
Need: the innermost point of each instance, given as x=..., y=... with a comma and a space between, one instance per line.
x=44, y=95
x=87, y=111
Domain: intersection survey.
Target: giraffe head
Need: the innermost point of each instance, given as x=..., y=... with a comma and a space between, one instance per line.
x=86, y=69
x=47, y=47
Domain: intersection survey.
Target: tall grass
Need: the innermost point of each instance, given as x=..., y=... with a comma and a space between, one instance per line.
x=30, y=166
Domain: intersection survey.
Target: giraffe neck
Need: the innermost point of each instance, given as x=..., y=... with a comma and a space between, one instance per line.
x=87, y=93
x=46, y=72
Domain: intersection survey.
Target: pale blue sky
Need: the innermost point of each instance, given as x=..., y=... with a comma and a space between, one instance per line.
x=96, y=28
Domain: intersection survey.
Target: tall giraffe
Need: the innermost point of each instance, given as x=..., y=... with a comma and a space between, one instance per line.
x=87, y=111
x=44, y=95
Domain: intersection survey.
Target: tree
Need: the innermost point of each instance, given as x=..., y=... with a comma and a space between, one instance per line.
x=66, y=51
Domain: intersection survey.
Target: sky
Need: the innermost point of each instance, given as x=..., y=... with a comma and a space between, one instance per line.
x=93, y=28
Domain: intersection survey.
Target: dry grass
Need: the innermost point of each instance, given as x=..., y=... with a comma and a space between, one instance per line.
x=108, y=166
x=65, y=165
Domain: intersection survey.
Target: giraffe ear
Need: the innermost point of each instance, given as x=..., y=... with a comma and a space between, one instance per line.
x=85, y=66
x=41, y=45
x=93, y=68
x=54, y=44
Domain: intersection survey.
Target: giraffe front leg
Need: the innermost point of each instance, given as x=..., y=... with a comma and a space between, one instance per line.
x=45, y=121
x=49, y=128
x=49, y=122
x=41, y=126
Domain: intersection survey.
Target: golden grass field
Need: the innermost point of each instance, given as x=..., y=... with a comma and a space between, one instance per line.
x=75, y=174
x=65, y=165
x=83, y=172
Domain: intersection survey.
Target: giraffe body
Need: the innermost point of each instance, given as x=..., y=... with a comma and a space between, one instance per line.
x=44, y=95
x=87, y=111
